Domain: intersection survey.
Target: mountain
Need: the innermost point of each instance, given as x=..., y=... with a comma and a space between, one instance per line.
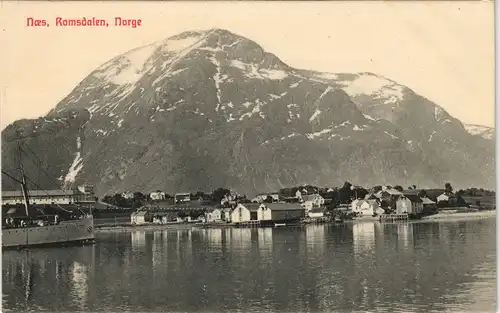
x=208, y=109
x=479, y=130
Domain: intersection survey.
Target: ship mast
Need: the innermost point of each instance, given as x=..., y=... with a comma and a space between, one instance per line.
x=24, y=185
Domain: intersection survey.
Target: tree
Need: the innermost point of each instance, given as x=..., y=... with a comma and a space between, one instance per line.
x=268, y=199
x=219, y=194
x=398, y=188
x=345, y=193
x=448, y=188
x=422, y=194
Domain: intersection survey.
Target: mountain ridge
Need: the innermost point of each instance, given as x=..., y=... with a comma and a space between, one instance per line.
x=240, y=110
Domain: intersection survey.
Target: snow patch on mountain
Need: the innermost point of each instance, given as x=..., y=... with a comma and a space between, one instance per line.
x=127, y=68
x=180, y=48
x=368, y=117
x=378, y=87
x=317, y=134
x=176, y=45
x=217, y=80
x=253, y=71
x=431, y=135
x=315, y=115
x=327, y=75
x=77, y=164
x=391, y=135
x=274, y=74
x=480, y=130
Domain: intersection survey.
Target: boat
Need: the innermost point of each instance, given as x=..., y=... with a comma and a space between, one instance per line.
x=34, y=227
x=279, y=224
x=338, y=219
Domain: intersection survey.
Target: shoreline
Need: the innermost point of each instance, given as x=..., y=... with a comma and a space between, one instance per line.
x=121, y=228
x=442, y=216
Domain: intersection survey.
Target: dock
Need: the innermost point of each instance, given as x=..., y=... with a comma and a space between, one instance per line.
x=252, y=223
x=394, y=217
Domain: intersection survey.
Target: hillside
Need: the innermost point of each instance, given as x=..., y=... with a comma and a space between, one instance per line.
x=208, y=109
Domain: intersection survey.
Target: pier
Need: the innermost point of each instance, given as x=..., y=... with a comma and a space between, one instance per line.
x=252, y=223
x=394, y=217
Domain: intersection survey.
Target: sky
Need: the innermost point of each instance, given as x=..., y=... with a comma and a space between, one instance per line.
x=442, y=50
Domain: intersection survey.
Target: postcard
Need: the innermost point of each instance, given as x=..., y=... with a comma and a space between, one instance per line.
x=234, y=156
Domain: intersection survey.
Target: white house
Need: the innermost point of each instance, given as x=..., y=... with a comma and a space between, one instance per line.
x=298, y=195
x=264, y=213
x=262, y=197
x=140, y=217
x=443, y=198
x=182, y=197
x=312, y=201
x=214, y=216
x=128, y=195
x=228, y=199
x=259, y=198
x=410, y=204
x=316, y=213
x=244, y=212
x=365, y=207
x=157, y=195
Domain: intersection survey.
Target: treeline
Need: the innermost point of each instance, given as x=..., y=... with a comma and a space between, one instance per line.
x=139, y=199
x=476, y=192
x=335, y=195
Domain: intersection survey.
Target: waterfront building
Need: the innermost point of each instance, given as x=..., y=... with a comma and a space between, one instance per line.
x=365, y=207
x=157, y=195
x=410, y=204
x=183, y=197
x=244, y=212
x=316, y=213
x=72, y=196
x=213, y=216
x=279, y=212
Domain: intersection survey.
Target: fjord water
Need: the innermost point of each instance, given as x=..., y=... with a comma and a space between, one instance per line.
x=400, y=267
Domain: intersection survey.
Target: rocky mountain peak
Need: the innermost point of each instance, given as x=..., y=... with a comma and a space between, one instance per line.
x=208, y=109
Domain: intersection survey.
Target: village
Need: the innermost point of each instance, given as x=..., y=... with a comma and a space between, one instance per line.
x=288, y=206
x=384, y=203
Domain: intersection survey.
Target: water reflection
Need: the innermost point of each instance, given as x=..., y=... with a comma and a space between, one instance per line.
x=138, y=240
x=265, y=236
x=405, y=234
x=315, y=237
x=214, y=237
x=351, y=267
x=363, y=236
x=241, y=238
x=79, y=280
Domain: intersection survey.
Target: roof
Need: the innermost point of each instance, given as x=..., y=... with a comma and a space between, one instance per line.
x=283, y=206
x=48, y=209
x=183, y=194
x=411, y=191
x=413, y=198
x=167, y=205
x=310, y=197
x=427, y=201
x=392, y=192
x=253, y=207
x=41, y=193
